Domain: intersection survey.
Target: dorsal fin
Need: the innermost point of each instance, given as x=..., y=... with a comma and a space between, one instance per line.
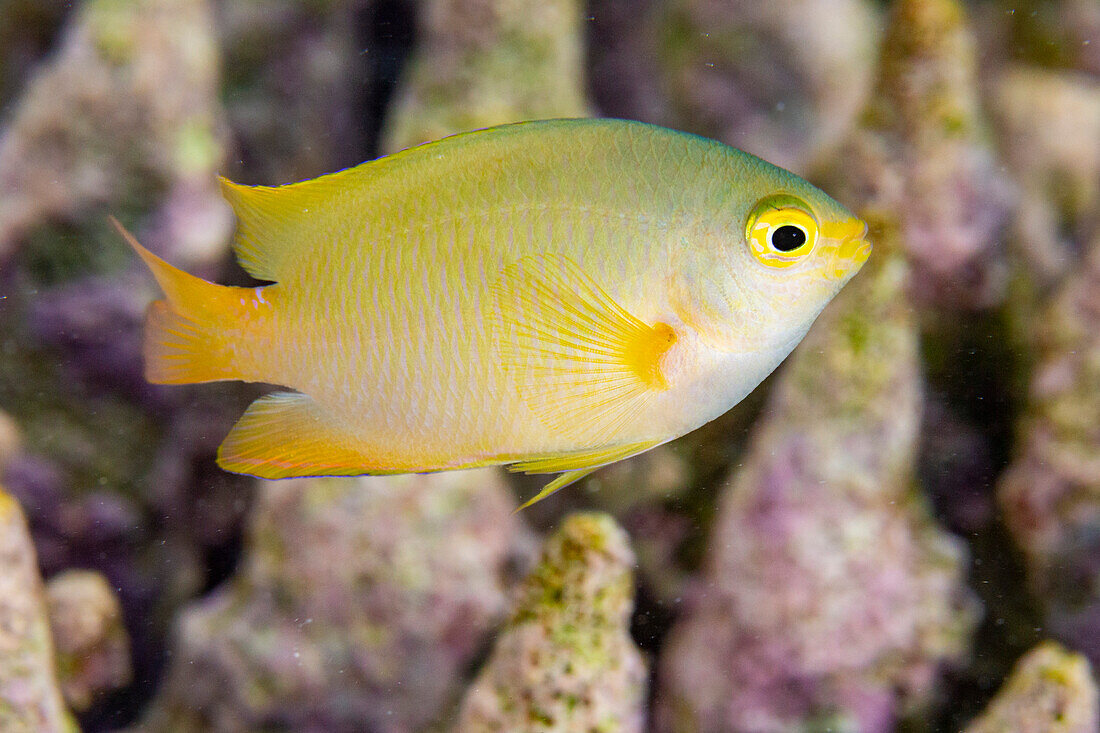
x=273, y=221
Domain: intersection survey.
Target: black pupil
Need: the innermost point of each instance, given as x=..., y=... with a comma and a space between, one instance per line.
x=788, y=237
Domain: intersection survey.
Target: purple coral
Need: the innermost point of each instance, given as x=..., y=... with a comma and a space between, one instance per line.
x=359, y=603
x=828, y=593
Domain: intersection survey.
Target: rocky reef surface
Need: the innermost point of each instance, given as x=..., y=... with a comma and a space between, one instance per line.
x=829, y=596
x=565, y=660
x=92, y=646
x=1050, y=493
x=1050, y=691
x=333, y=624
x=30, y=698
x=789, y=566
x=481, y=63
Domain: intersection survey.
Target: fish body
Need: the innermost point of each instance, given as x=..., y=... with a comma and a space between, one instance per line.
x=550, y=295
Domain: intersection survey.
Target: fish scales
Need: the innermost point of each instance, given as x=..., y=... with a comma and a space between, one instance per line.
x=553, y=295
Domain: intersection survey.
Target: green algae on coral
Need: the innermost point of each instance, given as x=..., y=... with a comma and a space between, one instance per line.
x=922, y=158
x=488, y=62
x=1051, y=690
x=30, y=700
x=565, y=660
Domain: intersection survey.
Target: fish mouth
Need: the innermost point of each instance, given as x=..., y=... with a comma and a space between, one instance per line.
x=851, y=249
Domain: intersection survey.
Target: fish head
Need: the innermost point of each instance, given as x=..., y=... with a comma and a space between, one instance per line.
x=792, y=250
x=795, y=241
x=801, y=247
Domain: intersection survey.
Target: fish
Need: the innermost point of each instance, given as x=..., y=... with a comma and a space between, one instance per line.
x=551, y=296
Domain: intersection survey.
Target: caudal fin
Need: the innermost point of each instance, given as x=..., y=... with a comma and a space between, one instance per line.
x=185, y=339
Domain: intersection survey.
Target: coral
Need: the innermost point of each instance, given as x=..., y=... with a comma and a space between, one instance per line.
x=565, y=661
x=1051, y=492
x=126, y=111
x=122, y=118
x=828, y=595
x=30, y=701
x=358, y=605
x=1053, y=150
x=297, y=76
x=922, y=153
x=93, y=650
x=485, y=62
x=1051, y=690
x=781, y=80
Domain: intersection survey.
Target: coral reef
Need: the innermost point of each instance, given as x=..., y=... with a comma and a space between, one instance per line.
x=124, y=118
x=485, y=62
x=124, y=112
x=1054, y=154
x=788, y=578
x=1051, y=492
x=781, y=80
x=1050, y=691
x=922, y=154
x=828, y=594
x=358, y=605
x=297, y=83
x=30, y=700
x=93, y=650
x=564, y=661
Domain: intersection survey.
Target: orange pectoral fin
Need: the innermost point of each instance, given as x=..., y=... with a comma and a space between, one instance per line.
x=584, y=364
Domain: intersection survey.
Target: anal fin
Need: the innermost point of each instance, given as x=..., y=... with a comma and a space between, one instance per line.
x=286, y=434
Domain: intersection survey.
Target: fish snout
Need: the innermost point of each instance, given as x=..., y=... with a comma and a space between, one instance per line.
x=850, y=249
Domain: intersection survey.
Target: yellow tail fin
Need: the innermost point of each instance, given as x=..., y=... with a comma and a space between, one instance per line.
x=185, y=338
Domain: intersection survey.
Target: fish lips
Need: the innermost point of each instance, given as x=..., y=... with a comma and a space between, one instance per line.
x=850, y=249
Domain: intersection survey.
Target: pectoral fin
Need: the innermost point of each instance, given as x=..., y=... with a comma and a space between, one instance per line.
x=584, y=364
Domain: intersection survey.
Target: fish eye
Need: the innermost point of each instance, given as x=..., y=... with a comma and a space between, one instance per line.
x=781, y=231
x=788, y=237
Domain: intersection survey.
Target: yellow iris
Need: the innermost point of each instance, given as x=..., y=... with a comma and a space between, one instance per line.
x=780, y=231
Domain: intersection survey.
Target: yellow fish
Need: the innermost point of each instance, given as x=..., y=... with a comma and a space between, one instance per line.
x=553, y=296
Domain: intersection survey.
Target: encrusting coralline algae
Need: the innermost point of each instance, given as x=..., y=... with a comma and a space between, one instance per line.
x=358, y=605
x=565, y=661
x=922, y=157
x=828, y=593
x=126, y=111
x=1050, y=690
x=30, y=700
x=829, y=599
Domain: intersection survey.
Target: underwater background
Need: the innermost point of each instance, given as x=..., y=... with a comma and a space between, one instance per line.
x=899, y=530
